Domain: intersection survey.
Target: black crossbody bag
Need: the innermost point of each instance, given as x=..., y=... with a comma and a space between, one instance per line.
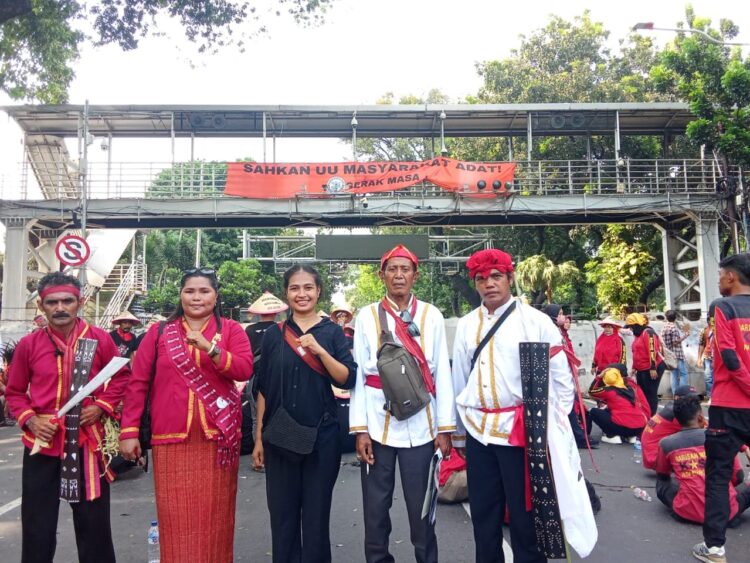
x=292, y=440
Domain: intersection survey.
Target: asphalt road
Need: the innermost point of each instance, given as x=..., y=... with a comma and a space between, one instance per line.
x=629, y=529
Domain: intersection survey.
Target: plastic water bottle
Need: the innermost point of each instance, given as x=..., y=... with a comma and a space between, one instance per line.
x=637, y=451
x=641, y=494
x=153, y=543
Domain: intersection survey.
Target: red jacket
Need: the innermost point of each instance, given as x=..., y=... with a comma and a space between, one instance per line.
x=609, y=350
x=646, y=351
x=684, y=454
x=731, y=353
x=172, y=401
x=659, y=426
x=623, y=411
x=35, y=386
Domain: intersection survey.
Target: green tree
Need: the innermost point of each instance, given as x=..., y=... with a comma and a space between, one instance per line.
x=619, y=270
x=715, y=80
x=539, y=275
x=162, y=297
x=365, y=286
x=243, y=281
x=40, y=39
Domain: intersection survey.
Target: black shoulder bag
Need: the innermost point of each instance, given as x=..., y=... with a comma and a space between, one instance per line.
x=490, y=334
x=144, y=432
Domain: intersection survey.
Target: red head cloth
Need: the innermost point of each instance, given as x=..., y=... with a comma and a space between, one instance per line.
x=399, y=251
x=484, y=261
x=60, y=289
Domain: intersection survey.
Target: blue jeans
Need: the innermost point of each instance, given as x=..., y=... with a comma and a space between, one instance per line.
x=708, y=371
x=679, y=375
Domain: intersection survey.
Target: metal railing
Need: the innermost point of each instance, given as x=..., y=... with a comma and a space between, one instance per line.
x=198, y=180
x=126, y=290
x=121, y=271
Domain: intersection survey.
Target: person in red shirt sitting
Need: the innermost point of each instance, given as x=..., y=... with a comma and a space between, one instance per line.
x=626, y=412
x=684, y=454
x=661, y=425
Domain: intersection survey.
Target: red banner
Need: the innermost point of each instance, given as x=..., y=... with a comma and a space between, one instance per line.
x=272, y=181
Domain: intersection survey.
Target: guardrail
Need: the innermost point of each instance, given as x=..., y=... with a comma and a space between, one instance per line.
x=197, y=180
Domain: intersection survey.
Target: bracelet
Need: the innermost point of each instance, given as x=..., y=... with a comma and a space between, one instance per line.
x=210, y=351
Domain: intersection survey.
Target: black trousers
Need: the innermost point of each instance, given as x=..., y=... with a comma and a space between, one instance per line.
x=603, y=419
x=575, y=424
x=496, y=476
x=299, y=499
x=40, y=505
x=377, y=498
x=667, y=489
x=727, y=430
x=651, y=386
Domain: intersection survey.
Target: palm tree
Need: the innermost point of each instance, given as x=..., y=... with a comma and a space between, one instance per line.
x=537, y=274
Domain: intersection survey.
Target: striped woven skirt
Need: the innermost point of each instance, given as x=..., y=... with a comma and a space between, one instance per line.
x=195, y=501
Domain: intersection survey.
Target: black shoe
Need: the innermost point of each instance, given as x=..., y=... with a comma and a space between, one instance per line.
x=593, y=443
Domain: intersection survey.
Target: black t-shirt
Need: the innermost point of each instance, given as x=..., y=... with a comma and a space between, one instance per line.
x=126, y=347
x=307, y=394
x=255, y=334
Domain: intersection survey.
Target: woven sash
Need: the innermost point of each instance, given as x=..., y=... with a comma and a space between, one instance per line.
x=534, y=358
x=223, y=410
x=70, y=475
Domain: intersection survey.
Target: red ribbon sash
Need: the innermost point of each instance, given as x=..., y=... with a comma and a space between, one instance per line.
x=291, y=337
x=411, y=345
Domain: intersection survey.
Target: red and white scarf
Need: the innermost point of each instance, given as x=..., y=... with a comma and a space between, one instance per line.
x=222, y=409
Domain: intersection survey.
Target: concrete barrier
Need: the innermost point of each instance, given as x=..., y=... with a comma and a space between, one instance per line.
x=583, y=334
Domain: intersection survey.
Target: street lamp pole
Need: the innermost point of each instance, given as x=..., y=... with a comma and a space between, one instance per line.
x=650, y=27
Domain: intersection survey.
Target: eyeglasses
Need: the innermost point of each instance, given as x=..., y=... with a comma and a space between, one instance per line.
x=201, y=271
x=407, y=318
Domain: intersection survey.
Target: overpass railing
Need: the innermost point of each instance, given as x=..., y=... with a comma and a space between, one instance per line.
x=196, y=180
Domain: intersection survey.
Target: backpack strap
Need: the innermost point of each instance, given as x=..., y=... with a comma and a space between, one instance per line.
x=491, y=333
x=385, y=334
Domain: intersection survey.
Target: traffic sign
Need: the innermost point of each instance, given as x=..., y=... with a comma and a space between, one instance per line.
x=72, y=250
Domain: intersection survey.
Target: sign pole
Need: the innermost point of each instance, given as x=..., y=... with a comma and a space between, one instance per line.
x=83, y=176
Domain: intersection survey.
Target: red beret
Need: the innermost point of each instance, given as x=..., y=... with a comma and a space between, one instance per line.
x=484, y=261
x=399, y=251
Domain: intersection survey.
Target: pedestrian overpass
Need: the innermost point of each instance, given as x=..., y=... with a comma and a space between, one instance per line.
x=58, y=193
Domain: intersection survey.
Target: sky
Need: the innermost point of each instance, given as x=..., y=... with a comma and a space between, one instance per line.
x=363, y=50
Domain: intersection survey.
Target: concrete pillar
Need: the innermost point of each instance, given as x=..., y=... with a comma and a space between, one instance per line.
x=14, y=270
x=707, y=243
x=670, y=247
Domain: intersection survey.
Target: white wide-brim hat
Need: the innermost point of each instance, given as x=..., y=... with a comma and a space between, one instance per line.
x=126, y=316
x=611, y=321
x=267, y=304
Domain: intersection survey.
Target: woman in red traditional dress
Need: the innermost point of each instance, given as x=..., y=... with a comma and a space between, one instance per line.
x=610, y=347
x=187, y=366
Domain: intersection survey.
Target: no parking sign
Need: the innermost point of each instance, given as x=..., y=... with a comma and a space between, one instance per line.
x=72, y=250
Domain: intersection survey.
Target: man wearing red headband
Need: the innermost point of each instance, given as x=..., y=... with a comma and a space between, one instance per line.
x=38, y=386
x=381, y=439
x=490, y=405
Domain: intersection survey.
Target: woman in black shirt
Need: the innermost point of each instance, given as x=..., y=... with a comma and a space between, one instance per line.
x=305, y=355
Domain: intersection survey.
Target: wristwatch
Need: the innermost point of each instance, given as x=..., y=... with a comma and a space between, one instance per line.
x=215, y=351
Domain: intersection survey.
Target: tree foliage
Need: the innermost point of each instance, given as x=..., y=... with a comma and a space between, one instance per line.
x=715, y=80
x=539, y=275
x=40, y=39
x=619, y=270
